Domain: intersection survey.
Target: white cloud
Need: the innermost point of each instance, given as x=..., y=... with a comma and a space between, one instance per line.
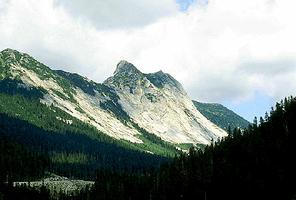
x=226, y=51
x=119, y=14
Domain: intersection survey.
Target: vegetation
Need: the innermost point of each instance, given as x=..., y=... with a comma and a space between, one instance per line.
x=54, y=119
x=16, y=87
x=251, y=163
x=151, y=97
x=9, y=192
x=221, y=116
x=12, y=57
x=89, y=87
x=256, y=163
x=75, y=154
x=151, y=143
x=75, y=149
x=18, y=163
x=154, y=144
x=23, y=102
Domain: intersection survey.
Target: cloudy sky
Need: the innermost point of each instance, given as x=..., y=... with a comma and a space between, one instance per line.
x=236, y=52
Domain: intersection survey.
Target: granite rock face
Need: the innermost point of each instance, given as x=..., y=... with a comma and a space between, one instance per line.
x=158, y=103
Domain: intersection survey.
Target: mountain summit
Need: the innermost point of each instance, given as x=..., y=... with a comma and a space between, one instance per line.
x=130, y=105
x=126, y=75
x=126, y=68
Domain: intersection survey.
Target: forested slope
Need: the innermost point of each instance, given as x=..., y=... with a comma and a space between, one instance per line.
x=221, y=116
x=257, y=163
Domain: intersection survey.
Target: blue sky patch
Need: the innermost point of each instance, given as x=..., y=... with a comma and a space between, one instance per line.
x=257, y=106
x=185, y=4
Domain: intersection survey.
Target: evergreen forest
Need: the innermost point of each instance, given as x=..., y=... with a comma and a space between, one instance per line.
x=254, y=163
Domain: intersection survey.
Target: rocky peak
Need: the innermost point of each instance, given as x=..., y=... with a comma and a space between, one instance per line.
x=125, y=75
x=124, y=67
x=9, y=54
x=161, y=79
x=8, y=51
x=8, y=57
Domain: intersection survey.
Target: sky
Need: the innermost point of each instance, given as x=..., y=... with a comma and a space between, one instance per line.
x=235, y=52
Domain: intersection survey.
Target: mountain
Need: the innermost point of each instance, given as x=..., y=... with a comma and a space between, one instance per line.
x=49, y=115
x=158, y=103
x=123, y=107
x=221, y=116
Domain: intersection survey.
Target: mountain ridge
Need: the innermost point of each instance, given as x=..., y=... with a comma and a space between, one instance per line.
x=123, y=107
x=221, y=115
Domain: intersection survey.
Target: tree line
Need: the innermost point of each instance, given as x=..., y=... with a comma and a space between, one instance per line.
x=255, y=163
